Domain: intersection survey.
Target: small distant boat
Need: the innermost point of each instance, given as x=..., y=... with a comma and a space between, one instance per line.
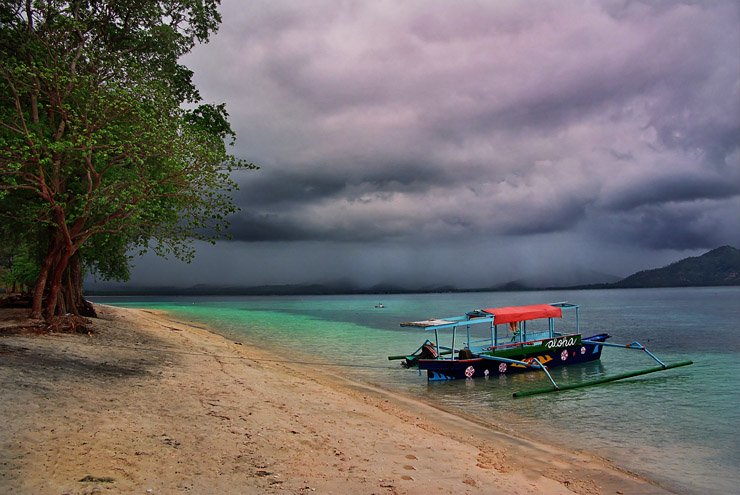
x=379, y=305
x=523, y=344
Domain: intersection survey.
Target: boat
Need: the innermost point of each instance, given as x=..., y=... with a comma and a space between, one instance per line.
x=519, y=346
x=522, y=338
x=379, y=305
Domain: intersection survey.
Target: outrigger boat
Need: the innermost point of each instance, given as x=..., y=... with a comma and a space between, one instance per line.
x=524, y=344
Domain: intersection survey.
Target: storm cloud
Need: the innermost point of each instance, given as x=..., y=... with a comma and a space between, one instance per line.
x=425, y=139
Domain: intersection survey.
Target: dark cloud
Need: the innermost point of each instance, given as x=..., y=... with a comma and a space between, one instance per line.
x=676, y=189
x=702, y=223
x=607, y=130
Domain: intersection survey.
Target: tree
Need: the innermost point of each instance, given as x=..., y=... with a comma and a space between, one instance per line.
x=101, y=141
x=18, y=266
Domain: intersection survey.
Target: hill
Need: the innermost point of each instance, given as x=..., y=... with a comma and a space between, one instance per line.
x=720, y=266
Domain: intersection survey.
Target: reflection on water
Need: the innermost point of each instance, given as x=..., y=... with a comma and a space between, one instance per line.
x=679, y=427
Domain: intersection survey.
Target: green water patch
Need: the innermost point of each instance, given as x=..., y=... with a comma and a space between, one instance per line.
x=299, y=336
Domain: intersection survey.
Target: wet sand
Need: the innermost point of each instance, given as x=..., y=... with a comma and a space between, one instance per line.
x=147, y=404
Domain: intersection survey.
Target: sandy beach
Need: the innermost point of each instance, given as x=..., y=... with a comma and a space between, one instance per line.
x=147, y=404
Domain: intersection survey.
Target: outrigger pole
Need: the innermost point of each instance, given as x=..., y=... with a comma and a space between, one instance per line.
x=535, y=363
x=601, y=380
x=633, y=345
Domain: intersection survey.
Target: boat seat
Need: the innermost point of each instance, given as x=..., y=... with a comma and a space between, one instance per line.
x=465, y=354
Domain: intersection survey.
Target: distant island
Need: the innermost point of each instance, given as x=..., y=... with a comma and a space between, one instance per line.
x=719, y=267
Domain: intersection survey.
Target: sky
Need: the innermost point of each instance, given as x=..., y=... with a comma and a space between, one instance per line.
x=471, y=143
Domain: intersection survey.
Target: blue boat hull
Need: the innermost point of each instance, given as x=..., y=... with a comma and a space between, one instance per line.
x=451, y=369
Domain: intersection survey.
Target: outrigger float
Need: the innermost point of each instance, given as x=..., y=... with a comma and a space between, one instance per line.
x=522, y=345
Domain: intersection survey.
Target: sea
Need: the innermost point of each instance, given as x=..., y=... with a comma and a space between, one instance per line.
x=679, y=427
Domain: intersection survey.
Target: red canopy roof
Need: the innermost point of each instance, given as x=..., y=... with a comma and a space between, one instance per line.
x=521, y=313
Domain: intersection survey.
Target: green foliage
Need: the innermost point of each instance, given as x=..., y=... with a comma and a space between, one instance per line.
x=23, y=270
x=106, y=256
x=19, y=255
x=95, y=143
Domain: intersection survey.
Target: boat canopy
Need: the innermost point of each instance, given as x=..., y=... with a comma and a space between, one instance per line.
x=521, y=313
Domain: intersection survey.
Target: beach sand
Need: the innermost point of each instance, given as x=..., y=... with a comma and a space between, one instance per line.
x=147, y=404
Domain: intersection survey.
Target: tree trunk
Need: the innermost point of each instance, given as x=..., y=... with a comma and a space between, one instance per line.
x=67, y=291
x=59, y=287
x=55, y=282
x=73, y=288
x=38, y=291
x=60, y=308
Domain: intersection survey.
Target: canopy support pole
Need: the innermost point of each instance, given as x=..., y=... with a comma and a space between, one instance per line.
x=454, y=331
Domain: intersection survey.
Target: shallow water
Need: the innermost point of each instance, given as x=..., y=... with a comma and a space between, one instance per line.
x=680, y=427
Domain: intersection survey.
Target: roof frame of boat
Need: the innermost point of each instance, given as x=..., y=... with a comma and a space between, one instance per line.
x=510, y=314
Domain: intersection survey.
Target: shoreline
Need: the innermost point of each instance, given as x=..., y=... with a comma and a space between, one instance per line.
x=148, y=404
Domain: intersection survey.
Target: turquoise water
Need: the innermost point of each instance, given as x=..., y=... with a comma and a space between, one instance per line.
x=679, y=427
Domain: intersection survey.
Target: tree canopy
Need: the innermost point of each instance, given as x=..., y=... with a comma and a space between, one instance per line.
x=105, y=145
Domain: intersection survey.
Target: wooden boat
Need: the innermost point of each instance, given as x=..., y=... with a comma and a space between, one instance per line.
x=528, y=340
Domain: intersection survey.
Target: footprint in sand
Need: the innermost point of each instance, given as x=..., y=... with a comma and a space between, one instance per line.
x=408, y=467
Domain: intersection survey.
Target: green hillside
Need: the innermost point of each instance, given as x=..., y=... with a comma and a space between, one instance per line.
x=720, y=266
